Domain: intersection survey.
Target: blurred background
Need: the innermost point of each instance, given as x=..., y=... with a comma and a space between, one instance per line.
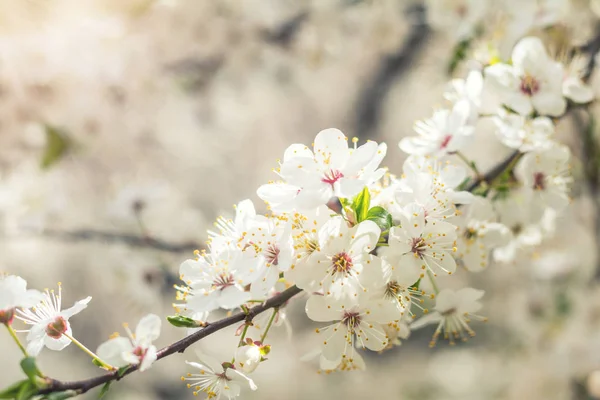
x=128, y=126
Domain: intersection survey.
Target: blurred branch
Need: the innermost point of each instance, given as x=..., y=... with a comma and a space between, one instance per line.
x=494, y=172
x=374, y=93
x=82, y=235
x=284, y=33
x=85, y=385
x=591, y=48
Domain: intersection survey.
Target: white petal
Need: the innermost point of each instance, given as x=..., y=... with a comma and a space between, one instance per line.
x=232, y=297
x=148, y=329
x=112, y=351
x=319, y=309
x=149, y=358
x=77, y=308
x=331, y=148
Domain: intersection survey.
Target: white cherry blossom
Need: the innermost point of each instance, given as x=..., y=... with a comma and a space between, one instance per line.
x=136, y=349
x=447, y=131
x=49, y=324
x=330, y=169
x=573, y=86
x=342, y=266
x=215, y=379
x=357, y=323
x=457, y=17
x=453, y=313
x=545, y=177
x=532, y=83
x=417, y=246
x=524, y=134
x=13, y=295
x=478, y=234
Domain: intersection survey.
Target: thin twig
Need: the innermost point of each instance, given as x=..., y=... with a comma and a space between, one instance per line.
x=85, y=385
x=494, y=172
x=132, y=240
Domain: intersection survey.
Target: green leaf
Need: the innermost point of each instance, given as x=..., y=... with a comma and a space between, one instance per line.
x=381, y=217
x=104, y=390
x=27, y=391
x=121, y=371
x=67, y=394
x=13, y=390
x=360, y=205
x=459, y=54
x=30, y=368
x=184, y=322
x=57, y=145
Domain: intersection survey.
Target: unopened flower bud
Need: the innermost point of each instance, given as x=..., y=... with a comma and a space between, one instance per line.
x=248, y=357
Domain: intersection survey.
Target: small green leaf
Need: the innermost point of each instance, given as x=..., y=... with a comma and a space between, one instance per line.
x=381, y=217
x=13, y=390
x=104, y=390
x=67, y=394
x=30, y=368
x=57, y=145
x=360, y=205
x=459, y=53
x=184, y=322
x=27, y=391
x=121, y=371
x=416, y=284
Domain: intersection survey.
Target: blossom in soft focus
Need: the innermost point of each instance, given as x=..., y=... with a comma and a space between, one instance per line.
x=216, y=379
x=545, y=177
x=333, y=169
x=459, y=17
x=136, y=349
x=453, y=313
x=49, y=324
x=446, y=131
x=13, y=295
x=532, y=83
x=573, y=86
x=478, y=234
x=524, y=134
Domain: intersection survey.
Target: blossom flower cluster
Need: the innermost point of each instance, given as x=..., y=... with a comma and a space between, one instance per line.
x=366, y=247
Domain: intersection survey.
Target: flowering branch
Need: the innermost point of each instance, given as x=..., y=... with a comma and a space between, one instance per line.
x=180, y=346
x=494, y=172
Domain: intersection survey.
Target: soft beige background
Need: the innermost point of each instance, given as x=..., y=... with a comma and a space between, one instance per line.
x=186, y=106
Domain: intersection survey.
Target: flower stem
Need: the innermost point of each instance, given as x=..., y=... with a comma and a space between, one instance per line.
x=89, y=352
x=432, y=280
x=243, y=335
x=264, y=335
x=16, y=339
x=469, y=164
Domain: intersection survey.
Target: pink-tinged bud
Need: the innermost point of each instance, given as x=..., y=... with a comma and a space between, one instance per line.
x=56, y=328
x=7, y=316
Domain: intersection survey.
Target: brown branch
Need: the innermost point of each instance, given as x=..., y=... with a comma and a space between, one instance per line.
x=83, y=386
x=495, y=172
x=132, y=240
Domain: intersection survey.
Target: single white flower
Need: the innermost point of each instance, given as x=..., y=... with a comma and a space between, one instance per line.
x=478, y=234
x=137, y=349
x=216, y=379
x=49, y=324
x=357, y=323
x=333, y=169
x=343, y=265
x=431, y=185
x=445, y=132
x=232, y=232
x=249, y=356
x=13, y=295
x=532, y=83
x=215, y=280
x=453, y=313
x=469, y=90
x=524, y=134
x=546, y=178
x=417, y=246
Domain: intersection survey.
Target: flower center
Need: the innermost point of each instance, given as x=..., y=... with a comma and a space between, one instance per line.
x=272, y=254
x=448, y=312
x=56, y=328
x=529, y=85
x=6, y=316
x=539, y=181
x=223, y=281
x=342, y=263
x=470, y=233
x=351, y=319
x=445, y=141
x=140, y=352
x=418, y=247
x=332, y=176
x=392, y=289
